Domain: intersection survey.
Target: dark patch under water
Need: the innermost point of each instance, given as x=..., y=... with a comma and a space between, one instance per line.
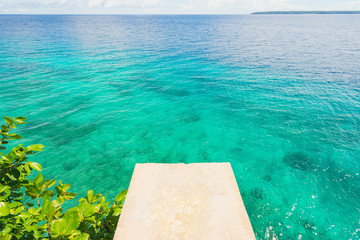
x=300, y=161
x=257, y=193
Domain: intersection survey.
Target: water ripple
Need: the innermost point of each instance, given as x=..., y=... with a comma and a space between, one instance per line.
x=277, y=96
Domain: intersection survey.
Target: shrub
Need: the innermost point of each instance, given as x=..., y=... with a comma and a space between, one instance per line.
x=43, y=217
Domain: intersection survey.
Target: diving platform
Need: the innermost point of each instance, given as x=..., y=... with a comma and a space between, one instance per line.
x=198, y=201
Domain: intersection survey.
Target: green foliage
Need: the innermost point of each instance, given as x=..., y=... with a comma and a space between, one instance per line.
x=44, y=218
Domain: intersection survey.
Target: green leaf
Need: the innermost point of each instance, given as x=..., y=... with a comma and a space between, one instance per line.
x=46, y=206
x=11, y=156
x=5, y=237
x=3, y=188
x=47, y=184
x=89, y=195
x=69, y=195
x=20, y=119
x=24, y=215
x=27, y=168
x=4, y=128
x=83, y=236
x=14, y=204
x=32, y=191
x=31, y=210
x=66, y=187
x=9, y=121
x=48, y=193
x=39, y=178
x=58, y=202
x=117, y=211
x=5, y=231
x=120, y=197
x=91, y=210
x=95, y=198
x=15, y=136
x=35, y=147
x=35, y=166
x=68, y=224
x=4, y=209
x=102, y=200
x=12, y=177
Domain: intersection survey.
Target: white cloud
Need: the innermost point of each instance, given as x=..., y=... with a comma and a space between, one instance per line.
x=58, y=6
x=214, y=4
x=351, y=5
x=272, y=5
x=170, y=6
x=133, y=4
x=238, y=6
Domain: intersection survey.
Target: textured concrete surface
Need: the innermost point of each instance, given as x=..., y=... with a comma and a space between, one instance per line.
x=183, y=201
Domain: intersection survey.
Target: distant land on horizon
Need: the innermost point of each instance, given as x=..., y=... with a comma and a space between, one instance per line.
x=307, y=12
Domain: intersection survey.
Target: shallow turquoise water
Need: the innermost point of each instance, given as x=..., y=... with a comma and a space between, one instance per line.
x=277, y=96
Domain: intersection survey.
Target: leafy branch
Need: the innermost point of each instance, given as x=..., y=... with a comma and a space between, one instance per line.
x=92, y=218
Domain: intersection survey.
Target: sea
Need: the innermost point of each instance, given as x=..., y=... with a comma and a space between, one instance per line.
x=277, y=96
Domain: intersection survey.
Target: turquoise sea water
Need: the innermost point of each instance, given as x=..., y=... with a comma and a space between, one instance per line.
x=277, y=96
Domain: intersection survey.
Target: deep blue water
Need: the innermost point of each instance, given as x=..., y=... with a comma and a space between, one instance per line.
x=277, y=96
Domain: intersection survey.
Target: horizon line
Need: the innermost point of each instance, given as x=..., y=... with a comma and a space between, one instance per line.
x=250, y=13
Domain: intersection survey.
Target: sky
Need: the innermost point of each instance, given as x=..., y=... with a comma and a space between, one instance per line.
x=168, y=6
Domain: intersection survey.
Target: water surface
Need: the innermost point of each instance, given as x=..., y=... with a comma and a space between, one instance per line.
x=277, y=96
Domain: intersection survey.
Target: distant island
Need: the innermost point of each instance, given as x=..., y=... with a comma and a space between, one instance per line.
x=308, y=12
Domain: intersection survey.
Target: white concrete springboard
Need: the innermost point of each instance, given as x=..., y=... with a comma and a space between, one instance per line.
x=199, y=201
